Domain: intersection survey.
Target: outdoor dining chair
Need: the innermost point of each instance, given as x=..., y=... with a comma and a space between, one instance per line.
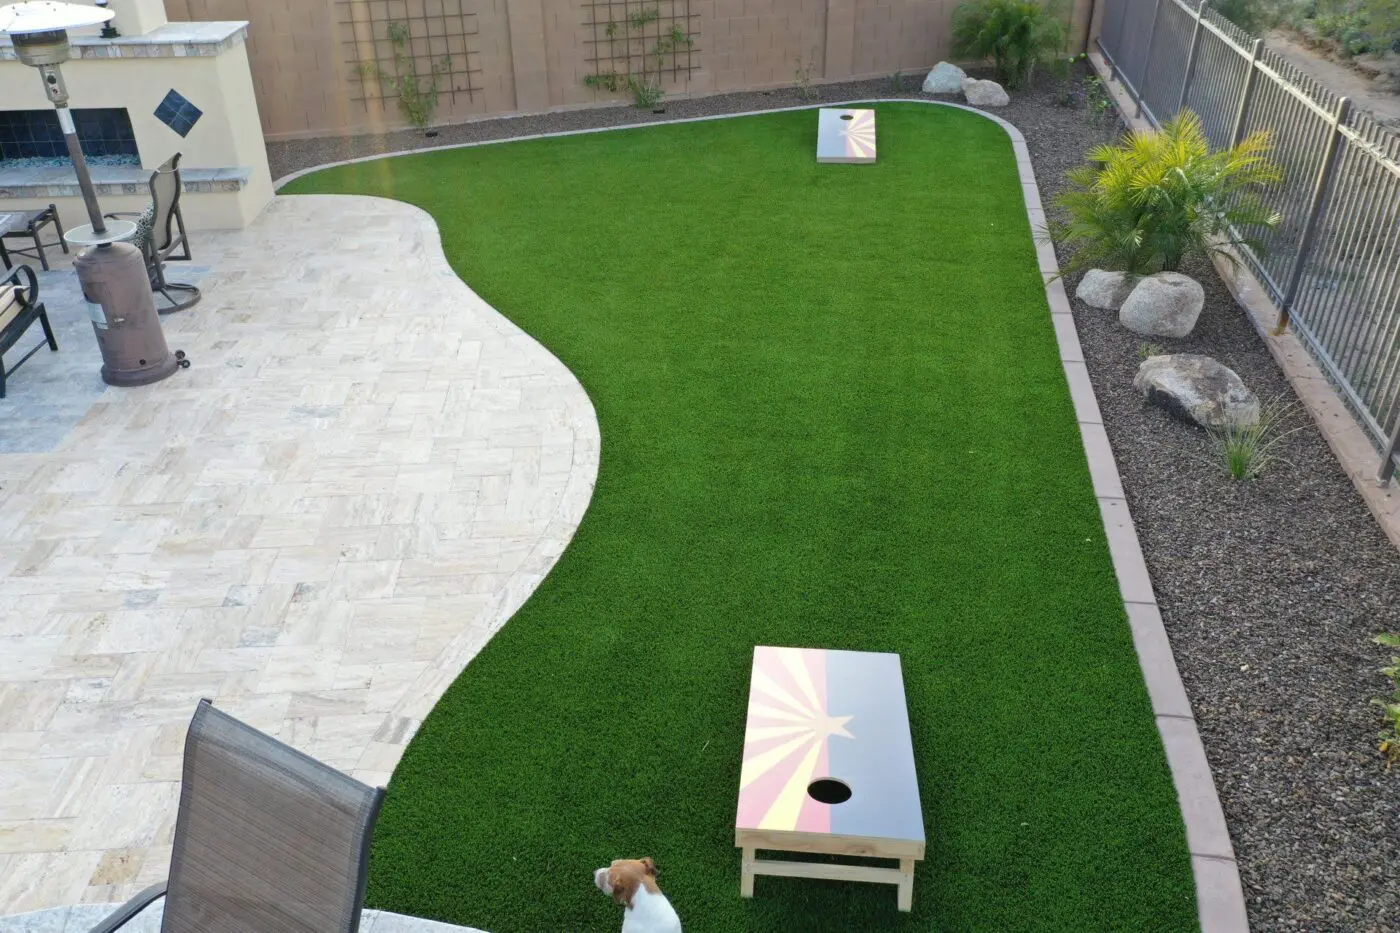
x=267, y=839
x=19, y=308
x=160, y=235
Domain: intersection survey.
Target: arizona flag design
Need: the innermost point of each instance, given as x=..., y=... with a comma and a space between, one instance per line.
x=786, y=743
x=817, y=713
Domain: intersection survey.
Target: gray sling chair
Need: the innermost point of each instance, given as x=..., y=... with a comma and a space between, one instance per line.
x=160, y=235
x=267, y=840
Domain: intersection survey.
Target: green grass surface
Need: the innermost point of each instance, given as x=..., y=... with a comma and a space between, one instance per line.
x=832, y=415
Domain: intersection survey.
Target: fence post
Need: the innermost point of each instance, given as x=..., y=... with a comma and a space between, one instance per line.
x=1191, y=56
x=1147, y=56
x=1388, y=464
x=1319, y=197
x=1247, y=94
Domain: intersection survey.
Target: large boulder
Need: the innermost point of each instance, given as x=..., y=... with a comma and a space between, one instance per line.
x=1106, y=290
x=944, y=79
x=984, y=93
x=1163, y=305
x=1198, y=389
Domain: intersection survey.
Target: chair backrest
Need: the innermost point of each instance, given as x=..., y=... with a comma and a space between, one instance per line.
x=165, y=201
x=267, y=840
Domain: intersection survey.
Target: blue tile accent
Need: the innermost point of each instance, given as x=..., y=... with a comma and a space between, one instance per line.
x=178, y=113
x=30, y=134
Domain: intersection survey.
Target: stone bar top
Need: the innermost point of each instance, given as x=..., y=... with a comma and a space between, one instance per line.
x=172, y=40
x=59, y=181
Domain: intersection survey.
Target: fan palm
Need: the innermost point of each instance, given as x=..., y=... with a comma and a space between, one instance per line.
x=1146, y=203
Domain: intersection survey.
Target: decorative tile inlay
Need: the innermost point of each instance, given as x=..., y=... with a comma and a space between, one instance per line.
x=178, y=113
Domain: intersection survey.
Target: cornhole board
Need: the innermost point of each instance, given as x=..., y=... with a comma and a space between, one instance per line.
x=819, y=720
x=845, y=136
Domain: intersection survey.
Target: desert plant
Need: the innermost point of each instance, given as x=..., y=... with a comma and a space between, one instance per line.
x=897, y=82
x=1097, y=102
x=1015, y=34
x=1146, y=203
x=1390, y=735
x=1146, y=350
x=417, y=94
x=803, y=76
x=1246, y=451
x=645, y=68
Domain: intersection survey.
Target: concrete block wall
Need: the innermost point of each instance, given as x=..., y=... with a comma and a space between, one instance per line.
x=530, y=56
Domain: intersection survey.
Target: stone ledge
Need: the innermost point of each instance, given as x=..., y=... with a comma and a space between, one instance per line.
x=109, y=180
x=173, y=40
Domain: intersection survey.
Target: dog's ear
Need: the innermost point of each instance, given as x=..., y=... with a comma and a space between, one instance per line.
x=649, y=865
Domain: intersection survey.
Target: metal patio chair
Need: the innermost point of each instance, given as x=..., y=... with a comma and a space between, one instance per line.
x=20, y=307
x=160, y=234
x=267, y=840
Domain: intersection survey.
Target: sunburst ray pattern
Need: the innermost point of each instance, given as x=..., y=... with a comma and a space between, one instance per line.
x=846, y=136
x=786, y=744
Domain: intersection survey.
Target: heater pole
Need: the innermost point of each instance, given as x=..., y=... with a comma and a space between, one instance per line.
x=75, y=152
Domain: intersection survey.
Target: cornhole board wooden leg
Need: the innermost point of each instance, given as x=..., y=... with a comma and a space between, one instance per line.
x=906, y=884
x=751, y=866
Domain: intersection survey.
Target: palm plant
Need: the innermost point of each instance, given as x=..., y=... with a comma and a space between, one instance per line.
x=1154, y=198
x=1015, y=34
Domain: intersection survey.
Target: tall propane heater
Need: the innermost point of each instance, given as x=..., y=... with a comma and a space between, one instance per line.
x=113, y=273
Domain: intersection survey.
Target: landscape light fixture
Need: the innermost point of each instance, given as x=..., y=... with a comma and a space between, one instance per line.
x=112, y=273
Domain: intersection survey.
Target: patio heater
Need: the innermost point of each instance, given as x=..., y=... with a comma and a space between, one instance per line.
x=112, y=273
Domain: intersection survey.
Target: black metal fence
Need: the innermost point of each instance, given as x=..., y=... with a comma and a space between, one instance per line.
x=1333, y=265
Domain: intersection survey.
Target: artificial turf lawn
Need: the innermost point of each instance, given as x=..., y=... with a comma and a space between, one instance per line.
x=832, y=415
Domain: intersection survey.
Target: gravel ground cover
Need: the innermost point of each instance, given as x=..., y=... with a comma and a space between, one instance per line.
x=1271, y=590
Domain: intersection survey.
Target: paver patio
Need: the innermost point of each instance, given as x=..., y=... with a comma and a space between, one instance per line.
x=364, y=473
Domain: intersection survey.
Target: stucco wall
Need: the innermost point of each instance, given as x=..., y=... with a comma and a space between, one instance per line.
x=524, y=56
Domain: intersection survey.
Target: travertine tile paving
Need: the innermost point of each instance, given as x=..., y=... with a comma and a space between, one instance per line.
x=364, y=473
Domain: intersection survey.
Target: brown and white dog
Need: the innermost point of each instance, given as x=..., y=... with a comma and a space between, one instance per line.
x=632, y=883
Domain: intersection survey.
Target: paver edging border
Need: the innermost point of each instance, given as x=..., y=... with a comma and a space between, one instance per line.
x=1220, y=899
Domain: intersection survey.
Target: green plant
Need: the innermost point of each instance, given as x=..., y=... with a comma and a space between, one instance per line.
x=1253, y=16
x=802, y=75
x=1246, y=451
x=1390, y=735
x=1097, y=102
x=643, y=73
x=1154, y=198
x=417, y=94
x=897, y=82
x=1015, y=34
x=1146, y=350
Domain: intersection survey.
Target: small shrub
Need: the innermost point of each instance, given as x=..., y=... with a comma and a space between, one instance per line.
x=897, y=82
x=1098, y=104
x=1015, y=34
x=1146, y=350
x=417, y=94
x=1390, y=735
x=1246, y=451
x=1146, y=203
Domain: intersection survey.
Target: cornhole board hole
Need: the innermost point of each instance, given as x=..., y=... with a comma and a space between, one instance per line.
x=845, y=136
x=829, y=768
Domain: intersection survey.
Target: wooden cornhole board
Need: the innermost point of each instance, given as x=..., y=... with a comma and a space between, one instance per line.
x=845, y=136
x=816, y=714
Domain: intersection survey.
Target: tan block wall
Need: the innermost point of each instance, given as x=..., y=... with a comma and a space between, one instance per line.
x=532, y=55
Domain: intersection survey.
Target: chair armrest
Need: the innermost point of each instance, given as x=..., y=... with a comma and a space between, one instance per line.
x=115, y=214
x=31, y=289
x=125, y=913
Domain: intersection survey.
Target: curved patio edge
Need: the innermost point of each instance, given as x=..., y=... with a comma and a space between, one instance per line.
x=82, y=918
x=1219, y=892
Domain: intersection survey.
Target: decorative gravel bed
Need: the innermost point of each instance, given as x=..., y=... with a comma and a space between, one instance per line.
x=1271, y=590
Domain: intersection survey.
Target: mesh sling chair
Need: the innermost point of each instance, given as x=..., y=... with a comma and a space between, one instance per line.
x=267, y=840
x=19, y=308
x=160, y=235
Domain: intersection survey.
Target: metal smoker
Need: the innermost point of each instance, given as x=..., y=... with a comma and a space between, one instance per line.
x=112, y=273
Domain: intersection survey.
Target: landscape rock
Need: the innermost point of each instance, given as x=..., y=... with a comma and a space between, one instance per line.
x=945, y=78
x=1166, y=304
x=1197, y=388
x=1106, y=290
x=984, y=93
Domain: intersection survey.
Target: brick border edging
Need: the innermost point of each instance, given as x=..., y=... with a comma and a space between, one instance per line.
x=1220, y=899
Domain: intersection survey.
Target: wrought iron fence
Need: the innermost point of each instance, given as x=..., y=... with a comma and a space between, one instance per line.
x=1333, y=265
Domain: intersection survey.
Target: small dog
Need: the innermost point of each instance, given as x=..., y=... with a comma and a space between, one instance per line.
x=632, y=883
